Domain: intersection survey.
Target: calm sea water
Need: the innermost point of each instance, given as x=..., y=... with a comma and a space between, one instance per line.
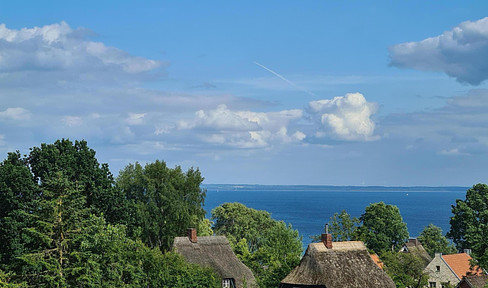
x=308, y=208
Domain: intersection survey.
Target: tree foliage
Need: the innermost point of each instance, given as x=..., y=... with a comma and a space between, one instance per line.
x=469, y=223
x=79, y=165
x=342, y=226
x=434, y=241
x=63, y=222
x=163, y=202
x=18, y=193
x=56, y=223
x=382, y=228
x=405, y=269
x=269, y=247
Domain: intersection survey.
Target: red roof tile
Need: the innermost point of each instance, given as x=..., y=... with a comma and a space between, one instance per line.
x=377, y=260
x=460, y=264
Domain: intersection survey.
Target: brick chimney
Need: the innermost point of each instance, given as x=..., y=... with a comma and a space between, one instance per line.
x=192, y=235
x=326, y=238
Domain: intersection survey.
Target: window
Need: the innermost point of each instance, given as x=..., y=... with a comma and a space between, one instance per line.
x=228, y=283
x=438, y=268
x=432, y=285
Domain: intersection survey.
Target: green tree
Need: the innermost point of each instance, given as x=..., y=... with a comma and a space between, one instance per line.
x=18, y=195
x=405, y=269
x=79, y=165
x=106, y=257
x=469, y=223
x=163, y=202
x=57, y=222
x=6, y=281
x=171, y=270
x=205, y=227
x=269, y=247
x=342, y=226
x=382, y=228
x=434, y=241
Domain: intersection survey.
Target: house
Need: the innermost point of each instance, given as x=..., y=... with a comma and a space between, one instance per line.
x=446, y=270
x=476, y=281
x=415, y=247
x=215, y=252
x=330, y=264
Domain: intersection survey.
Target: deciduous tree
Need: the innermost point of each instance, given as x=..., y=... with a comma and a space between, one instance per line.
x=405, y=269
x=163, y=202
x=342, y=226
x=382, y=228
x=79, y=165
x=269, y=247
x=434, y=241
x=469, y=223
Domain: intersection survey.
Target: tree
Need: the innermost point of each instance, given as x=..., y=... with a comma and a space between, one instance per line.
x=469, y=223
x=6, y=282
x=269, y=247
x=434, y=242
x=342, y=226
x=18, y=193
x=79, y=165
x=382, y=228
x=163, y=202
x=57, y=221
x=106, y=257
x=405, y=269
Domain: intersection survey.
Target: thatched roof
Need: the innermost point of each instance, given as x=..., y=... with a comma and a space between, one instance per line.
x=347, y=264
x=216, y=253
x=476, y=281
x=415, y=247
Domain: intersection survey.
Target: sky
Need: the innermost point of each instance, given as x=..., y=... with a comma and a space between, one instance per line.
x=318, y=92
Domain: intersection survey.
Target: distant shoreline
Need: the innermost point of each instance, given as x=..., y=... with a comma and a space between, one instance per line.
x=333, y=188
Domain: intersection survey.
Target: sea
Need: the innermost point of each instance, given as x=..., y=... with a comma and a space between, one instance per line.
x=309, y=208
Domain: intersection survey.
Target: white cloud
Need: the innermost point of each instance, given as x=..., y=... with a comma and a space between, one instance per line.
x=72, y=121
x=460, y=53
x=58, y=47
x=16, y=113
x=450, y=152
x=460, y=127
x=244, y=129
x=135, y=119
x=345, y=117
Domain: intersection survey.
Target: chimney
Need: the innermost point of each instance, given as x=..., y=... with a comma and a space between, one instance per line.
x=192, y=235
x=467, y=251
x=327, y=238
x=414, y=241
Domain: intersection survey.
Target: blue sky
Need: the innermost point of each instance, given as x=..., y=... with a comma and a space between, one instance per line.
x=255, y=92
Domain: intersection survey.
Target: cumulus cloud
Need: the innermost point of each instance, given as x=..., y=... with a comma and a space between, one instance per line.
x=244, y=129
x=345, y=117
x=16, y=113
x=460, y=53
x=59, y=47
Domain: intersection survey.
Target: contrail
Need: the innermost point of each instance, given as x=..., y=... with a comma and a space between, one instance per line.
x=284, y=79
